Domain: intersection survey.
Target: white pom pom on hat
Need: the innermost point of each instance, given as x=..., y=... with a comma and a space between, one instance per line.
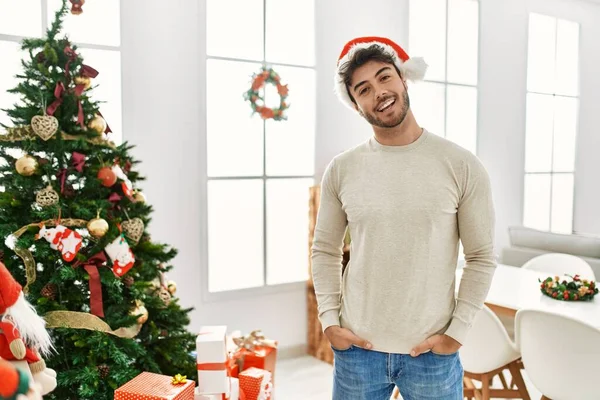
x=411, y=68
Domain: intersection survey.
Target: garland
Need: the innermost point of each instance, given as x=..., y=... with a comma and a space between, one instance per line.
x=574, y=289
x=267, y=75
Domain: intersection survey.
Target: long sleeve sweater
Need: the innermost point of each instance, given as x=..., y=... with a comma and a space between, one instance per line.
x=406, y=208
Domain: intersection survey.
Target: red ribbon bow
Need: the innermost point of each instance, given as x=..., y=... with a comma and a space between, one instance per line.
x=91, y=266
x=58, y=93
x=78, y=161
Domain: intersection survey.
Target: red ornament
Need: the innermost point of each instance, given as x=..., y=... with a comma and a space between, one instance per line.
x=555, y=294
x=107, y=176
x=566, y=295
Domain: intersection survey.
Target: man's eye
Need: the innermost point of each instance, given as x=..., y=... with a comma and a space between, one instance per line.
x=363, y=91
x=385, y=78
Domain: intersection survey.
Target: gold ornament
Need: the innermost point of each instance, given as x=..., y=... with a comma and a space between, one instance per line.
x=97, y=227
x=134, y=229
x=47, y=197
x=45, y=126
x=97, y=124
x=26, y=165
x=140, y=309
x=139, y=197
x=164, y=295
x=86, y=81
x=172, y=287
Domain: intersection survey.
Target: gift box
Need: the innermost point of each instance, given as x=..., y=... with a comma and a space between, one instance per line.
x=253, y=351
x=212, y=360
x=255, y=384
x=149, y=386
x=234, y=393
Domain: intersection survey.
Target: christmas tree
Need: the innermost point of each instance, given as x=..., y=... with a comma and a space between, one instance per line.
x=74, y=223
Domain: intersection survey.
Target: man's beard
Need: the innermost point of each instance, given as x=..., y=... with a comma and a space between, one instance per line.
x=375, y=121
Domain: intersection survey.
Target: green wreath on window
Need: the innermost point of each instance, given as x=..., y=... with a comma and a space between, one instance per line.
x=267, y=75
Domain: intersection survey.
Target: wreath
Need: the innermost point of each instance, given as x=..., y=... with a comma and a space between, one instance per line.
x=573, y=289
x=267, y=75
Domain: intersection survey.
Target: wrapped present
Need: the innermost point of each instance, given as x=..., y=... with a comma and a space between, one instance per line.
x=149, y=386
x=254, y=351
x=234, y=395
x=255, y=384
x=212, y=360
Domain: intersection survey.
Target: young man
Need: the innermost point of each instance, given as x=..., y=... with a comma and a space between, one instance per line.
x=407, y=196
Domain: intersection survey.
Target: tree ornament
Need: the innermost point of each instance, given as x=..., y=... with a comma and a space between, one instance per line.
x=47, y=197
x=97, y=124
x=141, y=311
x=103, y=371
x=139, y=197
x=164, y=333
x=84, y=81
x=121, y=255
x=97, y=227
x=63, y=239
x=172, y=286
x=107, y=176
x=76, y=6
x=45, y=126
x=49, y=291
x=164, y=295
x=133, y=229
x=128, y=281
x=26, y=165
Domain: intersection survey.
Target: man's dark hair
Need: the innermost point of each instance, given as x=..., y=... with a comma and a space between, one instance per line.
x=360, y=57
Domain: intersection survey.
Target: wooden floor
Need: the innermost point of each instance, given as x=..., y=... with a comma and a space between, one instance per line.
x=307, y=378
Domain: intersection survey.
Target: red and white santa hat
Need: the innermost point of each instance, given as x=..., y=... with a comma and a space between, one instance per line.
x=9, y=289
x=411, y=68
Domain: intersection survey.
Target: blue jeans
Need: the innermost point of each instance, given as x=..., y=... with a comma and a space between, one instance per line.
x=361, y=374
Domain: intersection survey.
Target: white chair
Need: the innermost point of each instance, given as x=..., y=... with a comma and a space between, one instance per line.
x=487, y=352
x=561, y=264
x=560, y=354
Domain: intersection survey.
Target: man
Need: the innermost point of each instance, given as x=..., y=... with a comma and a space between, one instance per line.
x=407, y=196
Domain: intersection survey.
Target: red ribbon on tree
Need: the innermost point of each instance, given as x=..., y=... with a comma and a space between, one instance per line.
x=91, y=266
x=62, y=177
x=78, y=161
x=69, y=52
x=58, y=93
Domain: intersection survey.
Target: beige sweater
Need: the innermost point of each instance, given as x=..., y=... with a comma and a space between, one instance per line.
x=405, y=207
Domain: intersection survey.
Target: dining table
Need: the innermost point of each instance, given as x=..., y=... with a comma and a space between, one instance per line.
x=516, y=288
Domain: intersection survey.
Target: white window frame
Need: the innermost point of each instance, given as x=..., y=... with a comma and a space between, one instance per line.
x=265, y=289
x=552, y=172
x=445, y=83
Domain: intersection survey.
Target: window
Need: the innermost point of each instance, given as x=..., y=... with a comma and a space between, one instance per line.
x=96, y=32
x=446, y=34
x=551, y=129
x=259, y=172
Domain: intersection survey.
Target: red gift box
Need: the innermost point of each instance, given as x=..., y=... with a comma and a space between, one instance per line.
x=255, y=384
x=262, y=357
x=149, y=386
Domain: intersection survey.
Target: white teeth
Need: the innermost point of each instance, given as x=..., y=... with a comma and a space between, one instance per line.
x=386, y=104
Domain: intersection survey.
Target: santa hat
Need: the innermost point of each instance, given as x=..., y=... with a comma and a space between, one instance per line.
x=411, y=68
x=9, y=289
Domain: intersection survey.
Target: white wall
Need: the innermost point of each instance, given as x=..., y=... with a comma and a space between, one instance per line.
x=164, y=115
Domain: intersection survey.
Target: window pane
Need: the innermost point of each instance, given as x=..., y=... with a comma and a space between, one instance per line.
x=562, y=203
x=100, y=22
x=21, y=17
x=297, y=19
x=235, y=228
x=565, y=133
x=427, y=35
x=567, y=58
x=541, y=54
x=536, y=213
x=538, y=134
x=291, y=142
x=108, y=90
x=223, y=37
x=11, y=56
x=427, y=103
x=234, y=137
x=462, y=117
x=287, y=230
x=463, y=33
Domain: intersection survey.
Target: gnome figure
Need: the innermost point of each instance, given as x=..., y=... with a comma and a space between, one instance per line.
x=23, y=334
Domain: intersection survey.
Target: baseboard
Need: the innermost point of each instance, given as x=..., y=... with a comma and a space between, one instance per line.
x=285, y=353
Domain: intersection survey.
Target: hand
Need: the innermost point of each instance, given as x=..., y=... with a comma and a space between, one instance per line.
x=440, y=344
x=342, y=338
